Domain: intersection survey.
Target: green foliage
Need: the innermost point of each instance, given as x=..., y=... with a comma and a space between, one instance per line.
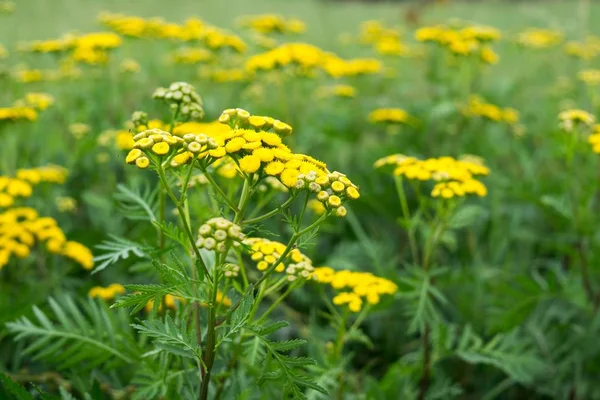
x=116, y=250
x=82, y=334
x=8, y=387
x=280, y=367
x=172, y=338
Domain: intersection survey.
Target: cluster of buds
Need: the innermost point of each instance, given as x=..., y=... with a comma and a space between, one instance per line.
x=152, y=141
x=183, y=97
x=139, y=118
x=231, y=270
x=302, y=270
x=239, y=118
x=332, y=189
x=194, y=145
x=217, y=234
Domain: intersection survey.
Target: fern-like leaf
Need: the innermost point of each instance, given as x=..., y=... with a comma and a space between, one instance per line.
x=287, y=368
x=137, y=203
x=85, y=335
x=170, y=337
x=117, y=249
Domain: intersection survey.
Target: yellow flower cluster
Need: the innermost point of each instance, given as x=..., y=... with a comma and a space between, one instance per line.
x=3, y=52
x=590, y=77
x=535, y=38
x=21, y=185
x=193, y=29
x=337, y=67
x=7, y=6
x=222, y=75
x=477, y=107
x=67, y=70
x=129, y=65
x=107, y=293
x=594, y=139
x=344, y=91
x=38, y=101
x=462, y=40
x=272, y=23
x=49, y=173
x=308, y=58
x=20, y=228
x=61, y=44
x=190, y=55
x=89, y=48
x=79, y=130
x=355, y=287
x=26, y=108
x=169, y=301
x=454, y=178
x=17, y=114
x=391, y=115
x=570, y=119
x=158, y=143
x=266, y=253
x=384, y=40
x=586, y=50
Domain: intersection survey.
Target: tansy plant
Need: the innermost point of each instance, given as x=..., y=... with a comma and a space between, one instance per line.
x=441, y=187
x=220, y=271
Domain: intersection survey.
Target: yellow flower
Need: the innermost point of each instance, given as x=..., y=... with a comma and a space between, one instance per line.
x=250, y=164
x=79, y=253
x=107, y=293
x=161, y=148
x=289, y=177
x=569, y=119
x=133, y=155
x=275, y=168
x=142, y=162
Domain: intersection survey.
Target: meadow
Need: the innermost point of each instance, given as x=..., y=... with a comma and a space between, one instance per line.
x=299, y=199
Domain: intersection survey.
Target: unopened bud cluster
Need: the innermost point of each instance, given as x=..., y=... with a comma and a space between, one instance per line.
x=183, y=97
x=217, y=234
x=231, y=270
x=139, y=118
x=332, y=189
x=239, y=118
x=301, y=270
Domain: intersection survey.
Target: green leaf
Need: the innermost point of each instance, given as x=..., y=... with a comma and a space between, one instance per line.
x=467, y=216
x=559, y=205
x=137, y=203
x=116, y=250
x=284, y=367
x=12, y=388
x=170, y=337
x=82, y=335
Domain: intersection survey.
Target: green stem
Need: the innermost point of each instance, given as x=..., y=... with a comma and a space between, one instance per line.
x=186, y=225
x=245, y=196
x=271, y=213
x=220, y=191
x=211, y=336
x=406, y=215
x=276, y=302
